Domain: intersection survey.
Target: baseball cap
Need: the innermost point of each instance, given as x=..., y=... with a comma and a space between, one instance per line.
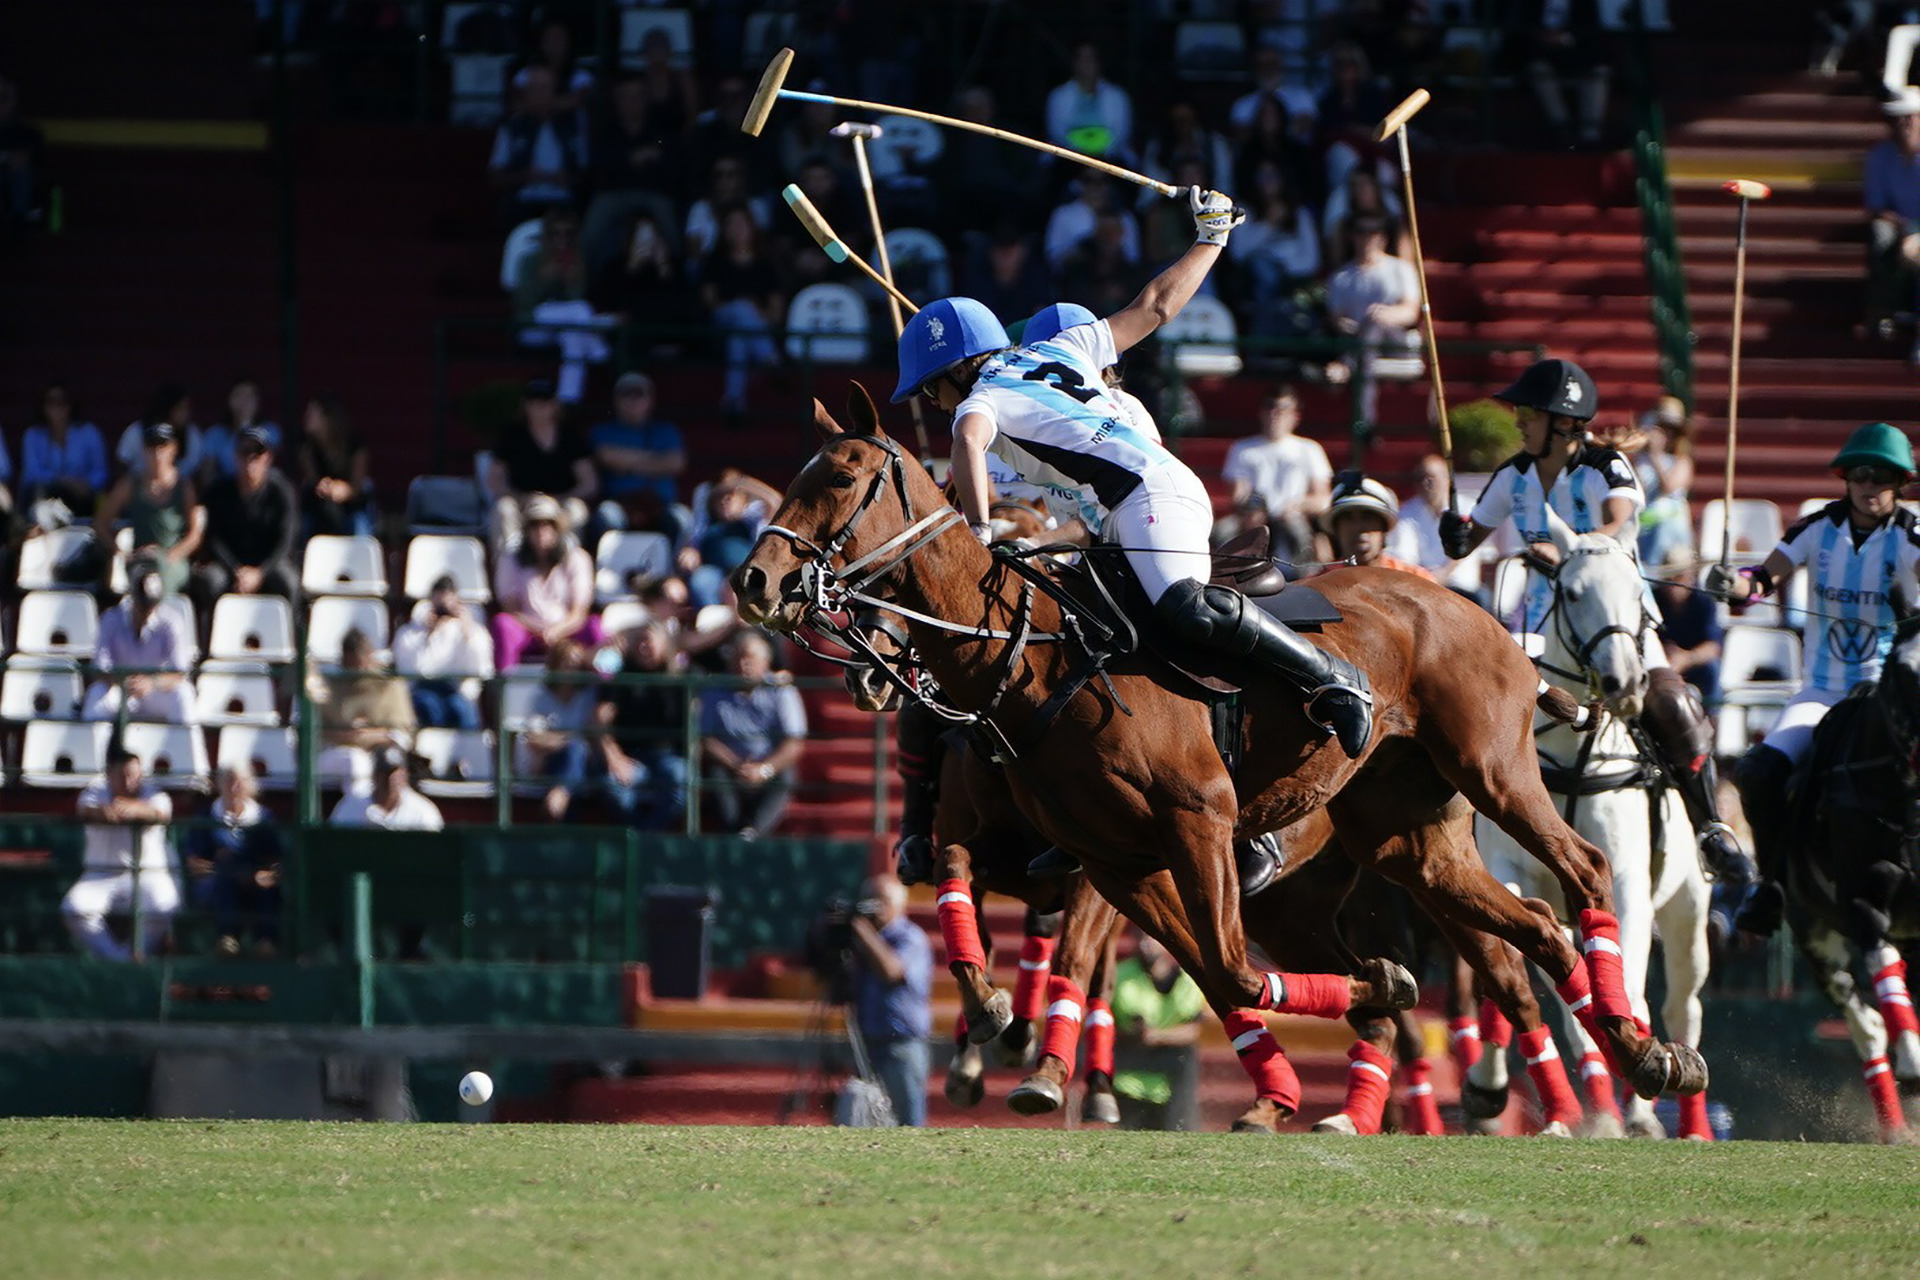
x=538, y=389
x=636, y=382
x=253, y=440
x=157, y=433
x=543, y=507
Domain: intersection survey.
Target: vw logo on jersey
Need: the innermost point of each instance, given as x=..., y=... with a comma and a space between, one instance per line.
x=1852, y=640
x=937, y=331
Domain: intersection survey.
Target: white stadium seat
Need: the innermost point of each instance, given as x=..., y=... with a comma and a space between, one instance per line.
x=1207, y=334
x=333, y=616
x=174, y=756
x=60, y=624
x=40, y=556
x=337, y=566
x=272, y=754
x=1756, y=528
x=431, y=554
x=64, y=754
x=622, y=616
x=827, y=324
x=519, y=686
x=458, y=763
x=251, y=629
x=40, y=689
x=621, y=554
x=235, y=697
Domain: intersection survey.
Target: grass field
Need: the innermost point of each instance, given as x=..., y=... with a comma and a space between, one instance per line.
x=103, y=1198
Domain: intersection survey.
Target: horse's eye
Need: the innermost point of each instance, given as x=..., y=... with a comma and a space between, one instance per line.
x=1574, y=595
x=841, y=480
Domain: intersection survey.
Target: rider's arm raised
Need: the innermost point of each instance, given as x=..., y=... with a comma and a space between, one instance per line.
x=1214, y=218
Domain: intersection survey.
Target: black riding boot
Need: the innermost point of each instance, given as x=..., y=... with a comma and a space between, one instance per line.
x=1221, y=619
x=1256, y=861
x=921, y=750
x=1677, y=724
x=1762, y=776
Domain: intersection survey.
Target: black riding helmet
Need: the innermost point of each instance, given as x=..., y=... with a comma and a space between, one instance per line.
x=1554, y=386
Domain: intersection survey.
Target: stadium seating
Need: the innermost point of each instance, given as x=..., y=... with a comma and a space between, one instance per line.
x=340, y=566
x=1749, y=653
x=251, y=629
x=63, y=754
x=620, y=555
x=827, y=324
x=518, y=688
x=273, y=754
x=61, y=624
x=333, y=616
x=1211, y=332
x=623, y=615
x=457, y=763
x=223, y=697
x=40, y=689
x=920, y=263
x=174, y=755
x=41, y=556
x=1756, y=527
x=431, y=554
x=445, y=504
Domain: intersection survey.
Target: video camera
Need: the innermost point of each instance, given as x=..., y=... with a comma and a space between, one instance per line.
x=829, y=944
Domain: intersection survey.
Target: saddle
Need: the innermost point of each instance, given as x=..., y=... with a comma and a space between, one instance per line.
x=1111, y=609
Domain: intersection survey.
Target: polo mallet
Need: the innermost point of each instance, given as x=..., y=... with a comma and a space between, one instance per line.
x=860, y=135
x=771, y=90
x=1396, y=125
x=824, y=235
x=1748, y=191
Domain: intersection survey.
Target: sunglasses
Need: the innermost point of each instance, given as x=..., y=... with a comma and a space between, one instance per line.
x=932, y=392
x=1874, y=476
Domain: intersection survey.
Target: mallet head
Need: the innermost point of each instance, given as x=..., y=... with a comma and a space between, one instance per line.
x=767, y=94
x=854, y=129
x=1397, y=118
x=814, y=222
x=1747, y=189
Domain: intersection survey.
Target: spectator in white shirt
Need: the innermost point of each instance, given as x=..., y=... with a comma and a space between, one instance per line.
x=1282, y=476
x=120, y=809
x=1075, y=222
x=137, y=635
x=392, y=803
x=1375, y=298
x=444, y=652
x=1269, y=81
x=1090, y=114
x=1416, y=538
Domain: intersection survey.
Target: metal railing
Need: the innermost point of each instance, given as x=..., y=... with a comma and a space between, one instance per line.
x=1666, y=276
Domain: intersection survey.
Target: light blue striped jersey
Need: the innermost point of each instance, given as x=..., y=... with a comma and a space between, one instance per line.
x=1057, y=422
x=1858, y=590
x=1579, y=497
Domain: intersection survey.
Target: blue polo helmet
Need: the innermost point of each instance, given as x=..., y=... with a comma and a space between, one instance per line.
x=940, y=336
x=1048, y=321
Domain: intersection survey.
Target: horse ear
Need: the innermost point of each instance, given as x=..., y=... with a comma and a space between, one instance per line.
x=1561, y=533
x=823, y=422
x=866, y=419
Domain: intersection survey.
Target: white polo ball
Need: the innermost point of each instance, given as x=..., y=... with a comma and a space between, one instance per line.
x=475, y=1088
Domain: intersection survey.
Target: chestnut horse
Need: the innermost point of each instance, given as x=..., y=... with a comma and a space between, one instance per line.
x=1129, y=780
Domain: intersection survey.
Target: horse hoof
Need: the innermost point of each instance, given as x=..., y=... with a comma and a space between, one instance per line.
x=1689, y=1070
x=1483, y=1127
x=1338, y=1122
x=1646, y=1126
x=1036, y=1096
x=964, y=1091
x=995, y=1015
x=1604, y=1125
x=1649, y=1071
x=1555, y=1129
x=1393, y=987
x=1100, y=1108
x=1901, y=1137
x=1016, y=1046
x=1481, y=1103
x=1264, y=1116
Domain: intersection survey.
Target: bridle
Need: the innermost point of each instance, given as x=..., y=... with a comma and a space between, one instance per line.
x=1582, y=649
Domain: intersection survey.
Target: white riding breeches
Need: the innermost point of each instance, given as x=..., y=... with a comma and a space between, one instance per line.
x=1792, y=733
x=1164, y=526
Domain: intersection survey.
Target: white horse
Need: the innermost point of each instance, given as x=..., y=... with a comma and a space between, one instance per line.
x=1595, y=634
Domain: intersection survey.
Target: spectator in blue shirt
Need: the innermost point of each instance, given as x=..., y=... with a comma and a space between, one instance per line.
x=891, y=993
x=217, y=457
x=640, y=460
x=233, y=865
x=62, y=458
x=1891, y=192
x=750, y=740
x=1690, y=625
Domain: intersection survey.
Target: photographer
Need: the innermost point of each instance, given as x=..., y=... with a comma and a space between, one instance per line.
x=890, y=990
x=445, y=652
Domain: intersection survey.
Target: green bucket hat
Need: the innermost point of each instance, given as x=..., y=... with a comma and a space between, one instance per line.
x=1876, y=444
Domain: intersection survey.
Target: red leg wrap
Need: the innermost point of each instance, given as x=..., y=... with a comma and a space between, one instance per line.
x=958, y=924
x=1890, y=988
x=1423, y=1113
x=1317, y=995
x=1463, y=1042
x=1369, y=1078
x=1693, y=1118
x=1576, y=992
x=1495, y=1030
x=1099, y=1037
x=1549, y=1076
x=1030, y=987
x=1600, y=938
x=1597, y=1083
x=1261, y=1058
x=1886, y=1095
x=1066, y=1005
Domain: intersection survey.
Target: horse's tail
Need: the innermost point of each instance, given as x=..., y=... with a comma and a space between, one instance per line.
x=1565, y=708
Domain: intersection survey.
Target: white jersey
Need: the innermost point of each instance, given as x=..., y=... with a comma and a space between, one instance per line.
x=1859, y=589
x=1058, y=424
x=1580, y=495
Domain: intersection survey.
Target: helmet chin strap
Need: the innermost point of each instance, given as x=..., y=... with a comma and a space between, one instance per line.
x=1556, y=434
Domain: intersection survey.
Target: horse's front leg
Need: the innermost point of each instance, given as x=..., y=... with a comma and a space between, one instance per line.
x=987, y=1010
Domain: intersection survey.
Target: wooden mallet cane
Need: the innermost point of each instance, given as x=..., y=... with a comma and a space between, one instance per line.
x=1748, y=191
x=824, y=235
x=1395, y=125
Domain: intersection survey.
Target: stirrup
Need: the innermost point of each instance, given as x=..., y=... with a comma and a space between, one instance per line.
x=1257, y=862
x=1053, y=864
x=1720, y=850
x=1350, y=720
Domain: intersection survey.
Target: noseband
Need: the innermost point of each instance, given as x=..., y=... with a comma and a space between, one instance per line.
x=1582, y=650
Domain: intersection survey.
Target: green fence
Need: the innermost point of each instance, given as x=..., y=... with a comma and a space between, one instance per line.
x=1666, y=276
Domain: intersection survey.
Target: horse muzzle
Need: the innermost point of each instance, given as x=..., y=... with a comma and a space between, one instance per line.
x=760, y=601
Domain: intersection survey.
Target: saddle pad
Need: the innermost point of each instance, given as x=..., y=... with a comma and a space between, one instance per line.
x=1301, y=607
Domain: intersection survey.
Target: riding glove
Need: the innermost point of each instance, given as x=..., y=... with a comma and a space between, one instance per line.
x=1456, y=534
x=1214, y=215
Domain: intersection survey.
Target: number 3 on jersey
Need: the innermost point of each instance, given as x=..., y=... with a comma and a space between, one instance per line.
x=1062, y=377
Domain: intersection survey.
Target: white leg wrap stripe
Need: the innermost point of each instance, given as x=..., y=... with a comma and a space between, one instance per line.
x=1068, y=1009
x=1606, y=946
x=1247, y=1039
x=1469, y=1032
x=1883, y=958
x=1878, y=1067
x=1276, y=990
x=1591, y=1067
x=1892, y=989
x=1099, y=1018
x=1374, y=1067
x=1419, y=1091
x=1580, y=1004
x=1036, y=966
x=955, y=896
x=1549, y=1052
